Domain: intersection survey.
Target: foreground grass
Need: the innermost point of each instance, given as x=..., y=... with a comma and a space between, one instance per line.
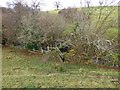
x=28, y=71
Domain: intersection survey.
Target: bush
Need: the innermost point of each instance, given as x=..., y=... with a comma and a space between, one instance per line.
x=32, y=46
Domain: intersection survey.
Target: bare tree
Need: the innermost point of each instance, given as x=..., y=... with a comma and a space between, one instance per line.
x=29, y=32
x=52, y=27
x=36, y=5
x=57, y=4
x=69, y=14
x=89, y=38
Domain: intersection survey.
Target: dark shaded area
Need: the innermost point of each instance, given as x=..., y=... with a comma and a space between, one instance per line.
x=4, y=41
x=32, y=46
x=65, y=48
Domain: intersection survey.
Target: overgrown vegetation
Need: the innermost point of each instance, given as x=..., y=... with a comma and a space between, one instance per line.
x=70, y=48
x=91, y=32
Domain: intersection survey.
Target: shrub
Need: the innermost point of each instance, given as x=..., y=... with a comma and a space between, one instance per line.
x=32, y=46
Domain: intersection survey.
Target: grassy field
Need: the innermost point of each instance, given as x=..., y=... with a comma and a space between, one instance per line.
x=23, y=70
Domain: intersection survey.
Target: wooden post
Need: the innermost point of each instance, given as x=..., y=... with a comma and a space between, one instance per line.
x=60, y=54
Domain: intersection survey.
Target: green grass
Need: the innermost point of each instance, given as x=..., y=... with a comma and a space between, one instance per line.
x=112, y=33
x=21, y=71
x=54, y=11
